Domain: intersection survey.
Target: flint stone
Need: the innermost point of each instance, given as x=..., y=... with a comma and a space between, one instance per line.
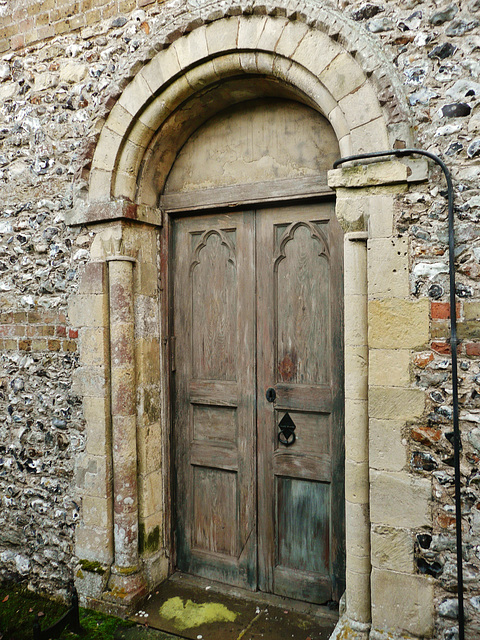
x=380, y=24
x=119, y=22
x=367, y=11
x=455, y=110
x=459, y=27
x=454, y=148
x=474, y=438
x=444, y=15
x=422, y=96
x=473, y=149
x=449, y=608
x=442, y=51
x=464, y=88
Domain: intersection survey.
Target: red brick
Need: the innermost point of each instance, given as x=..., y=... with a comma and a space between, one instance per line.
x=443, y=348
x=61, y=331
x=472, y=348
x=441, y=310
x=73, y=334
x=445, y=521
x=422, y=359
x=426, y=435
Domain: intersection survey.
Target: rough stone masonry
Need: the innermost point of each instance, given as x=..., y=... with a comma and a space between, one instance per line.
x=63, y=66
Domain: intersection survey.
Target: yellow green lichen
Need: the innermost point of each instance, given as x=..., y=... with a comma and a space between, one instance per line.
x=189, y=614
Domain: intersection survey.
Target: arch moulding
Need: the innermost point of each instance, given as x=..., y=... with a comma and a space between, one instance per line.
x=239, y=55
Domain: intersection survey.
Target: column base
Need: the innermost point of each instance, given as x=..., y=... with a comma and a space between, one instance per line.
x=126, y=587
x=347, y=629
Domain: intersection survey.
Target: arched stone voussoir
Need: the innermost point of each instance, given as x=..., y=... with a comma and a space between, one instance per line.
x=316, y=69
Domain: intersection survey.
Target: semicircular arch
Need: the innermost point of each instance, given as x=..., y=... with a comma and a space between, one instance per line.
x=220, y=64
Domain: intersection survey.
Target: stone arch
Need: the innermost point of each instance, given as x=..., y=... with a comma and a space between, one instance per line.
x=296, y=57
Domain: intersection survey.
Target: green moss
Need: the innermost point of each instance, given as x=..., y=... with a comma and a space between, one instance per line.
x=148, y=542
x=93, y=567
x=19, y=608
x=190, y=614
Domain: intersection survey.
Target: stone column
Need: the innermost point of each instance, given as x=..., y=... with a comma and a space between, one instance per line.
x=126, y=582
x=356, y=432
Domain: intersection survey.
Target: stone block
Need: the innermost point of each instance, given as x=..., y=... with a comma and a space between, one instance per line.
x=97, y=416
x=73, y=72
x=250, y=29
x=356, y=482
x=97, y=512
x=356, y=329
x=356, y=372
x=355, y=260
x=94, y=544
x=137, y=93
x=471, y=310
x=88, y=310
x=387, y=452
x=150, y=494
x=292, y=35
x=130, y=159
x=356, y=430
x=90, y=381
x=392, y=549
x=369, y=137
x=93, y=279
x=124, y=186
x=358, y=600
x=270, y=36
x=147, y=357
x=366, y=175
x=222, y=35
x=106, y=151
x=395, y=403
x=315, y=52
x=380, y=216
x=400, y=500
x=192, y=48
x=370, y=110
x=395, y=323
x=342, y=76
x=402, y=603
x=149, y=449
x=388, y=275
x=99, y=188
x=146, y=279
x=94, y=346
x=357, y=527
x=119, y=120
x=389, y=366
x=339, y=123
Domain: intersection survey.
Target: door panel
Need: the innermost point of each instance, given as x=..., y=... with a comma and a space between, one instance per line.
x=299, y=346
x=258, y=304
x=214, y=397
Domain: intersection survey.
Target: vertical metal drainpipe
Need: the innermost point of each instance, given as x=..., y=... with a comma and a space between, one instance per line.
x=457, y=444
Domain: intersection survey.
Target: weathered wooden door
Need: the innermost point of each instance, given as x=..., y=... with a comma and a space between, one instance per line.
x=258, y=328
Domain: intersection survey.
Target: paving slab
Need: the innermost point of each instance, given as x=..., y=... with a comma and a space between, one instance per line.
x=205, y=613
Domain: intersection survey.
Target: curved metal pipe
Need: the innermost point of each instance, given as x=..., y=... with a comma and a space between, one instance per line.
x=457, y=443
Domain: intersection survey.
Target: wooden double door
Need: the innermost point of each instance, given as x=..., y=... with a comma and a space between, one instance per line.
x=258, y=399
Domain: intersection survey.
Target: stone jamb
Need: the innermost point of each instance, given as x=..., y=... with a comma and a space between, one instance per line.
x=383, y=501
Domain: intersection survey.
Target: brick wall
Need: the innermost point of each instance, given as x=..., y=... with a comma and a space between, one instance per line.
x=25, y=23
